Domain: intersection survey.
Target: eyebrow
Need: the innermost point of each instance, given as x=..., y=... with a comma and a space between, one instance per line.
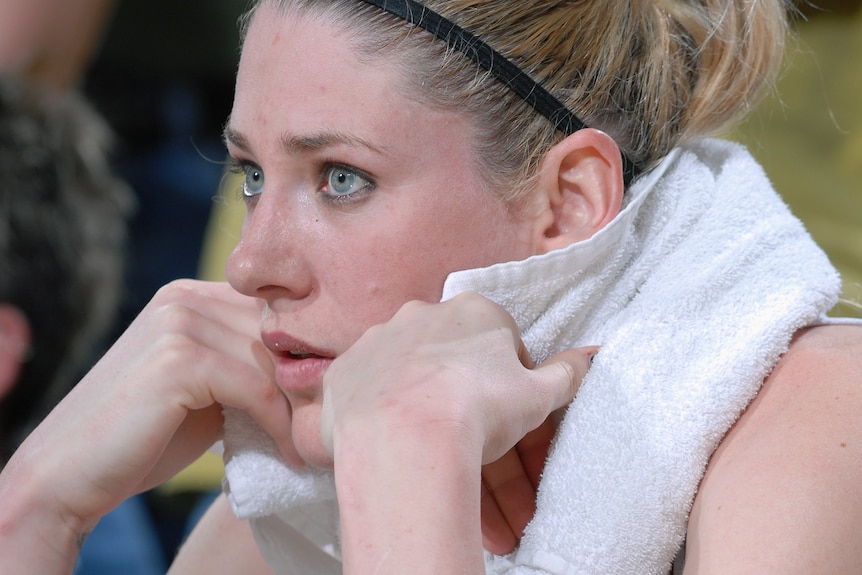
x=298, y=145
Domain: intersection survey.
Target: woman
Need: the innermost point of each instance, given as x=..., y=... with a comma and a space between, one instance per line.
x=378, y=160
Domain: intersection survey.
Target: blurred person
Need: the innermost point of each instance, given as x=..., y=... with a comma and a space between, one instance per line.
x=158, y=109
x=63, y=218
x=165, y=88
x=62, y=231
x=51, y=41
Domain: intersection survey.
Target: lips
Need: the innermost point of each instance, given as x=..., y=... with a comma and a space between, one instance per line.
x=299, y=367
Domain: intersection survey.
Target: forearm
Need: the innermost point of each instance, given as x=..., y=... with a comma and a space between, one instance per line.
x=409, y=506
x=411, y=412
x=35, y=535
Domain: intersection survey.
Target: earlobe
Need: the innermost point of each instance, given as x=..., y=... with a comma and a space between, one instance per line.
x=580, y=189
x=15, y=340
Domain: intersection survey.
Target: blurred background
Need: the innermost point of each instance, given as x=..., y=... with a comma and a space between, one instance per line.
x=163, y=77
x=808, y=134
x=161, y=72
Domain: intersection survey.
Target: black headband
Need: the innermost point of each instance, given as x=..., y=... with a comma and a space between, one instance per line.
x=501, y=67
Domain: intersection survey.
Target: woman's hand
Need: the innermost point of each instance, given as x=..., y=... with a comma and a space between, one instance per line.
x=509, y=489
x=412, y=411
x=459, y=363
x=509, y=484
x=149, y=407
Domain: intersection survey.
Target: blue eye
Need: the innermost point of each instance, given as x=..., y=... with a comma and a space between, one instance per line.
x=253, y=184
x=342, y=181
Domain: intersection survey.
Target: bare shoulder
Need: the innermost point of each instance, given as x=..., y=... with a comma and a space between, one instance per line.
x=781, y=493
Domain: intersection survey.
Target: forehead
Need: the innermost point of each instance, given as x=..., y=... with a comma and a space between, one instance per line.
x=304, y=67
x=300, y=81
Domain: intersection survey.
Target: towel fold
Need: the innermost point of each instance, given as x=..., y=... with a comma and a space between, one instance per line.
x=294, y=510
x=693, y=291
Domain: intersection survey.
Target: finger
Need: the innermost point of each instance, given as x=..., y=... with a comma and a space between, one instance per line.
x=192, y=291
x=560, y=376
x=274, y=417
x=213, y=363
x=212, y=299
x=533, y=449
x=524, y=354
x=196, y=434
x=244, y=387
x=239, y=372
x=497, y=536
x=508, y=483
x=234, y=322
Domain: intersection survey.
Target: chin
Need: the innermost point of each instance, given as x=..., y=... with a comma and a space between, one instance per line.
x=306, y=437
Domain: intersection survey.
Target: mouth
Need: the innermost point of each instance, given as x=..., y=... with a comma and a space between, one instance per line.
x=303, y=355
x=289, y=347
x=299, y=365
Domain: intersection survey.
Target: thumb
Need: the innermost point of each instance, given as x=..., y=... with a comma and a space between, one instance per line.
x=564, y=372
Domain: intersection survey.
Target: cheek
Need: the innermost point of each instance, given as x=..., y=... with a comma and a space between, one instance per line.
x=383, y=273
x=371, y=267
x=368, y=277
x=404, y=262
x=469, y=231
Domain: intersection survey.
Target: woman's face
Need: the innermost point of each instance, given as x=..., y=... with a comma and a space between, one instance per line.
x=359, y=200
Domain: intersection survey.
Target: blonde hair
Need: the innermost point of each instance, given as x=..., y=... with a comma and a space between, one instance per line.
x=650, y=73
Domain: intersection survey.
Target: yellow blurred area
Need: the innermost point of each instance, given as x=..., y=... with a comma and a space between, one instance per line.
x=808, y=136
x=221, y=236
x=224, y=228
x=205, y=474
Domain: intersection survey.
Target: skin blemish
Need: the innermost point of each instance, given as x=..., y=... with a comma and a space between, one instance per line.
x=843, y=444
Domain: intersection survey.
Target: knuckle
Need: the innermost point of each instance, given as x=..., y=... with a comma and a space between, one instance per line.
x=175, y=347
x=175, y=317
x=570, y=377
x=411, y=309
x=178, y=290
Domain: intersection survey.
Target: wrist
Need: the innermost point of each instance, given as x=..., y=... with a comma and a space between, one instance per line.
x=408, y=498
x=38, y=534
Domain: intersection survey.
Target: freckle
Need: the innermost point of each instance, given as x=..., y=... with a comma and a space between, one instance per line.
x=843, y=444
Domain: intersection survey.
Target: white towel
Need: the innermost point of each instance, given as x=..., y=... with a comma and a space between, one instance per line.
x=293, y=511
x=693, y=292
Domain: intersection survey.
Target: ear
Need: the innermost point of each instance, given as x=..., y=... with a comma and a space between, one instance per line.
x=580, y=189
x=15, y=339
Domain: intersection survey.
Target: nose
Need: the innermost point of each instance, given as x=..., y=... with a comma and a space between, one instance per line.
x=268, y=262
